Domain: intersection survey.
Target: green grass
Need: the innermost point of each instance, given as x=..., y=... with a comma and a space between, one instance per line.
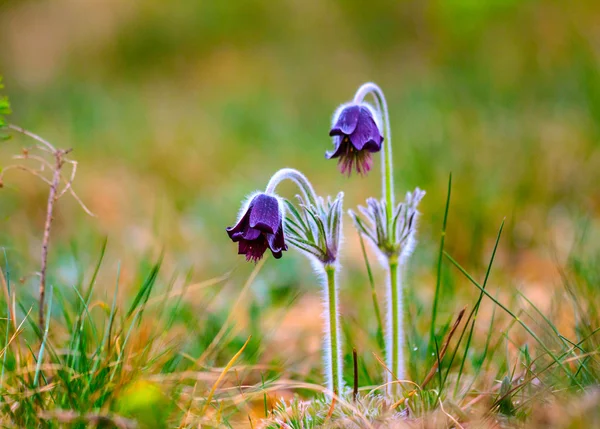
x=175, y=111
x=145, y=359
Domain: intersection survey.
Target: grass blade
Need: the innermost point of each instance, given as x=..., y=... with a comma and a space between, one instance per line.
x=223, y=373
x=518, y=320
x=380, y=340
x=439, y=263
x=44, y=340
x=473, y=315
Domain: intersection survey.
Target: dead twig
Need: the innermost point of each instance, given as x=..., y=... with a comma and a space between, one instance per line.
x=59, y=159
x=434, y=368
x=58, y=155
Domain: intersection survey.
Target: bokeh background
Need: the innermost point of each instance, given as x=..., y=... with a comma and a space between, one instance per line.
x=177, y=110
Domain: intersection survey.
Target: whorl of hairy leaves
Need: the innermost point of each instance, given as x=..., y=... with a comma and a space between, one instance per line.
x=391, y=236
x=315, y=229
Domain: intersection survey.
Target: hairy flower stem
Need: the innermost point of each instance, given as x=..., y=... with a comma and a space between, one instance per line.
x=395, y=358
x=395, y=314
x=387, y=168
x=298, y=178
x=332, y=362
x=328, y=241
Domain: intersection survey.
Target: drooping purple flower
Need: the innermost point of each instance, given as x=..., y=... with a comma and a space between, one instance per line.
x=260, y=227
x=356, y=136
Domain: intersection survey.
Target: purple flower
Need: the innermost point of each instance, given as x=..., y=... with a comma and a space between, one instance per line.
x=355, y=136
x=260, y=227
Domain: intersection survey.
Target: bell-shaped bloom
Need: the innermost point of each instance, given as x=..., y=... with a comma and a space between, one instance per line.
x=260, y=227
x=356, y=135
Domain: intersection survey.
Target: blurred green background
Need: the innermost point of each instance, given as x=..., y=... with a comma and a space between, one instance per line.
x=177, y=110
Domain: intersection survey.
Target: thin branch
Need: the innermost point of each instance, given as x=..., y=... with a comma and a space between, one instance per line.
x=43, y=148
x=435, y=366
x=47, y=225
x=81, y=204
x=43, y=161
x=70, y=181
x=60, y=159
x=36, y=173
x=449, y=416
x=33, y=136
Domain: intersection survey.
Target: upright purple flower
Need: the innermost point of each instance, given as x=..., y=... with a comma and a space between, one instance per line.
x=259, y=227
x=356, y=135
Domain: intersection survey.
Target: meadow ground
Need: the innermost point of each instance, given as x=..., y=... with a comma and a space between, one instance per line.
x=176, y=111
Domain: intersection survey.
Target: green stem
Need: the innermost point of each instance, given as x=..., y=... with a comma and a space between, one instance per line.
x=387, y=170
x=333, y=354
x=389, y=180
x=395, y=324
x=394, y=332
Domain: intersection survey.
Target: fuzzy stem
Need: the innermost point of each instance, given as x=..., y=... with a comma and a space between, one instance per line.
x=395, y=317
x=395, y=325
x=333, y=362
x=298, y=178
x=395, y=314
x=387, y=168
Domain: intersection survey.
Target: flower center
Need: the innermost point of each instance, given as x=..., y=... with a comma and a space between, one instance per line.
x=350, y=158
x=256, y=249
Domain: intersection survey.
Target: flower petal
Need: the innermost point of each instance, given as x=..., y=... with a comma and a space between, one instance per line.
x=249, y=234
x=346, y=122
x=265, y=214
x=366, y=133
x=235, y=232
x=340, y=143
x=277, y=242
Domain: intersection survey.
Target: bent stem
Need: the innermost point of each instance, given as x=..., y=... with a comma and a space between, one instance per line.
x=395, y=313
x=387, y=167
x=332, y=355
x=298, y=178
x=395, y=326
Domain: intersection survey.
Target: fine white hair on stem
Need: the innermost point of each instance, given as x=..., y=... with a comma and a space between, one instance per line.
x=393, y=243
x=298, y=178
x=386, y=153
x=315, y=230
x=399, y=372
x=331, y=353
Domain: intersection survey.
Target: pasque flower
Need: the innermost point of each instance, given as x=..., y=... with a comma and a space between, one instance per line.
x=356, y=135
x=358, y=131
x=260, y=227
x=315, y=230
x=314, y=227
